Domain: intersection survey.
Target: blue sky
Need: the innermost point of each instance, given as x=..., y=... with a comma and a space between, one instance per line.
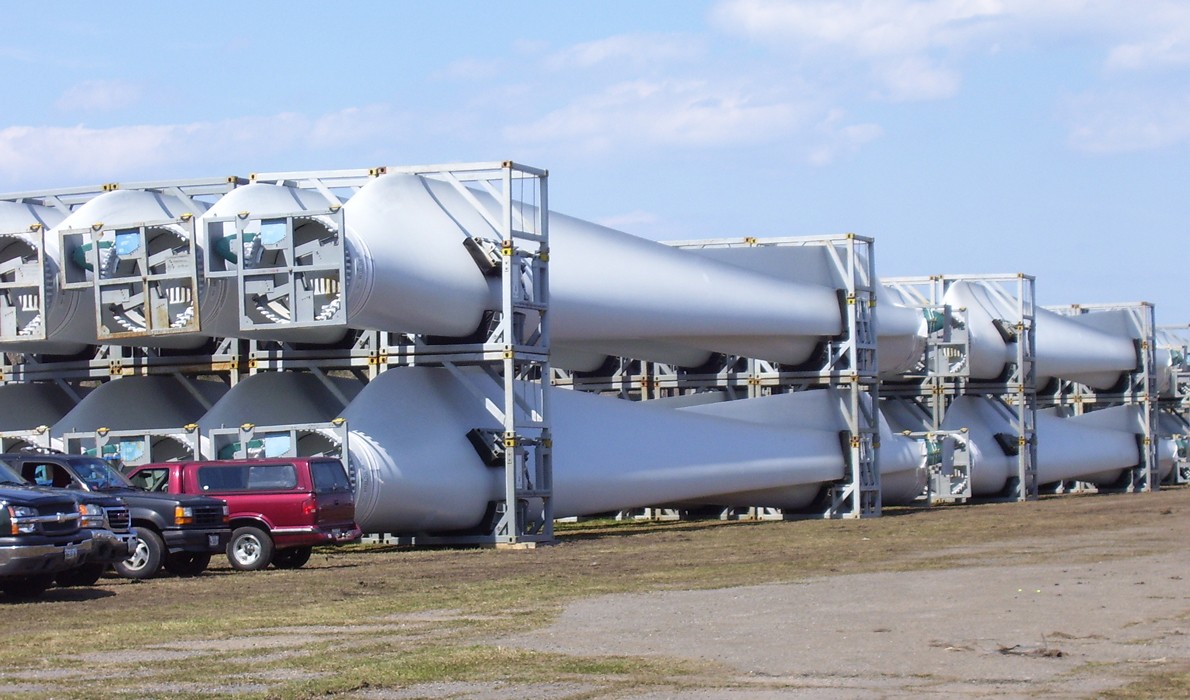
x=965, y=136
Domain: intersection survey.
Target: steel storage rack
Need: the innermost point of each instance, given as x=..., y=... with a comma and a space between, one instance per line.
x=847, y=362
x=512, y=352
x=1137, y=387
x=282, y=286
x=946, y=374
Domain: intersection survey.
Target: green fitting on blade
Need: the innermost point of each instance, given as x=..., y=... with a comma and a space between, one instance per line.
x=934, y=320
x=79, y=254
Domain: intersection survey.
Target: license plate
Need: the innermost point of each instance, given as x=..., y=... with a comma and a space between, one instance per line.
x=71, y=552
x=336, y=533
x=212, y=540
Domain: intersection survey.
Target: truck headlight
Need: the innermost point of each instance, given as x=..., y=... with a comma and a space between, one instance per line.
x=183, y=516
x=92, y=516
x=19, y=517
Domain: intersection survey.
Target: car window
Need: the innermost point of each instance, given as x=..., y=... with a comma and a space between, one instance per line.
x=47, y=474
x=329, y=476
x=244, y=477
x=156, y=479
x=99, y=475
x=8, y=475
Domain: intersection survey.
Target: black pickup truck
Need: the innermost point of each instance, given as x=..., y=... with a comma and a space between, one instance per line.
x=104, y=515
x=175, y=531
x=40, y=537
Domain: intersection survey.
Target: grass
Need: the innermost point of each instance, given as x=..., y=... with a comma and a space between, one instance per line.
x=384, y=617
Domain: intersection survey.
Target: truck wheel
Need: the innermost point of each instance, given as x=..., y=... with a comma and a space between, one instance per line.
x=187, y=563
x=250, y=549
x=85, y=575
x=27, y=586
x=146, y=560
x=292, y=558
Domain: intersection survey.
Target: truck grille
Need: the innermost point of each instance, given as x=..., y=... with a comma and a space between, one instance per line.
x=60, y=519
x=208, y=516
x=118, y=518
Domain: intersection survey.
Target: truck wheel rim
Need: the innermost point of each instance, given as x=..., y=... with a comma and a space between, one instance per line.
x=140, y=556
x=247, y=549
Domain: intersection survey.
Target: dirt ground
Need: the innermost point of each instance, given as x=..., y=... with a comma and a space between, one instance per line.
x=1070, y=597
x=1050, y=630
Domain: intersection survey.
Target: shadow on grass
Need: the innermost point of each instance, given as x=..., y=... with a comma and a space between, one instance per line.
x=60, y=595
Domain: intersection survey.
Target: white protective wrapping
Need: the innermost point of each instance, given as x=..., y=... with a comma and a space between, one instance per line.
x=141, y=403
x=416, y=471
x=1067, y=347
x=901, y=463
x=281, y=398
x=1129, y=419
x=901, y=333
x=1067, y=448
x=285, y=399
x=900, y=330
x=610, y=292
x=31, y=405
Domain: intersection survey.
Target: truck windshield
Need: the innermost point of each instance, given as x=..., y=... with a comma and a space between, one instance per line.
x=100, y=475
x=9, y=476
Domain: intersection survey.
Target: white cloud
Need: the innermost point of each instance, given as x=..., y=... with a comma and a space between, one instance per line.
x=1127, y=121
x=915, y=78
x=99, y=96
x=905, y=45
x=29, y=153
x=470, y=69
x=867, y=28
x=355, y=125
x=916, y=50
x=1161, y=41
x=636, y=49
x=1136, y=34
x=1162, y=51
x=837, y=139
x=690, y=113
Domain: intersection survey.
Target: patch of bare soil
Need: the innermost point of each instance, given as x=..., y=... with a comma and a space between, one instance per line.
x=1049, y=630
x=1055, y=612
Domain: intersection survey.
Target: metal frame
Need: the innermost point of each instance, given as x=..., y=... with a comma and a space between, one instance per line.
x=1177, y=401
x=238, y=439
x=946, y=373
x=23, y=287
x=110, y=444
x=14, y=439
x=67, y=199
x=166, y=300
x=1139, y=389
x=309, y=277
x=515, y=352
x=227, y=359
x=849, y=365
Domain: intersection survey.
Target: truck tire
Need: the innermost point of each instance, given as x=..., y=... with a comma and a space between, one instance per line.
x=250, y=549
x=146, y=560
x=292, y=557
x=187, y=563
x=85, y=575
x=27, y=586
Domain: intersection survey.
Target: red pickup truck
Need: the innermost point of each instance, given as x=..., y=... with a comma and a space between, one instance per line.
x=279, y=508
